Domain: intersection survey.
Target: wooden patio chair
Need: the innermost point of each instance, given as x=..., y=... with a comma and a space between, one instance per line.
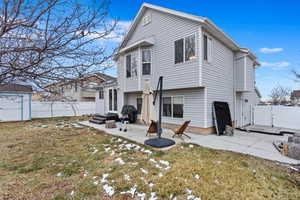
x=181, y=130
x=152, y=128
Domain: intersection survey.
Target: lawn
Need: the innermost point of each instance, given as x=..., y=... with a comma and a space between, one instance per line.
x=59, y=159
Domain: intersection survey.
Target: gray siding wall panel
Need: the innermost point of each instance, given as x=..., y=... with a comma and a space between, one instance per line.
x=193, y=105
x=218, y=78
x=165, y=29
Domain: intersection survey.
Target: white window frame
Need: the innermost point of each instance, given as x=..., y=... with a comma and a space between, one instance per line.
x=146, y=20
x=172, y=96
x=113, y=100
x=209, y=48
x=150, y=49
x=128, y=54
x=186, y=61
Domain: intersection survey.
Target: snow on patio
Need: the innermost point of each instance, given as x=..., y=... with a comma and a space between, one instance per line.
x=256, y=144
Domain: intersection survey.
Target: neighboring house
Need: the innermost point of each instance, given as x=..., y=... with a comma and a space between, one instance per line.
x=82, y=89
x=295, y=97
x=199, y=62
x=15, y=102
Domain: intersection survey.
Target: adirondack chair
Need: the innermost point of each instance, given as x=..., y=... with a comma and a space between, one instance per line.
x=152, y=128
x=181, y=130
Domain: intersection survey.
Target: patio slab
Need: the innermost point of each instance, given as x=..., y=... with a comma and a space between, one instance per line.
x=256, y=144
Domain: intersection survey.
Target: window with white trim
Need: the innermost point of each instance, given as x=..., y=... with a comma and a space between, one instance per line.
x=173, y=106
x=146, y=61
x=128, y=66
x=139, y=102
x=207, y=48
x=113, y=101
x=146, y=20
x=185, y=49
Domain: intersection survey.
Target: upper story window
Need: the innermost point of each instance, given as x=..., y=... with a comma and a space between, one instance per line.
x=128, y=66
x=185, y=49
x=190, y=52
x=146, y=61
x=207, y=48
x=146, y=20
x=131, y=65
x=178, y=51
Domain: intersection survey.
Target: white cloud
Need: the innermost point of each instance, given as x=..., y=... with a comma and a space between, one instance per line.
x=275, y=64
x=270, y=50
x=119, y=32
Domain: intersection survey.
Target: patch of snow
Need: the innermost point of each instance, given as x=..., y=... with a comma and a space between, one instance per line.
x=95, y=151
x=160, y=175
x=103, y=179
x=94, y=177
x=72, y=193
x=112, y=153
x=107, y=149
x=130, y=146
x=141, y=195
x=153, y=196
x=146, y=151
x=144, y=171
x=96, y=182
x=85, y=173
x=188, y=191
x=164, y=162
x=191, y=146
x=158, y=166
x=152, y=160
x=126, y=177
x=197, y=176
x=119, y=140
x=151, y=185
x=109, y=190
x=193, y=197
x=59, y=174
x=120, y=161
x=131, y=191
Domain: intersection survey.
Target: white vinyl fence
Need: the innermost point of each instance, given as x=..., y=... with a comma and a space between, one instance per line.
x=277, y=116
x=60, y=109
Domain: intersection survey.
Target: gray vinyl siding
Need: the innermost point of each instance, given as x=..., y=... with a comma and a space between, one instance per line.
x=165, y=29
x=240, y=74
x=218, y=78
x=249, y=75
x=193, y=105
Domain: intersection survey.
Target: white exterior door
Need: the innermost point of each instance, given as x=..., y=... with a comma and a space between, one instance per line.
x=112, y=100
x=11, y=108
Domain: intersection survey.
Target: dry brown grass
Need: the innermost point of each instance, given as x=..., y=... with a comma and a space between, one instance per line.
x=34, y=153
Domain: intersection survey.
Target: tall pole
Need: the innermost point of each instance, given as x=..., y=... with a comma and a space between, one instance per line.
x=160, y=106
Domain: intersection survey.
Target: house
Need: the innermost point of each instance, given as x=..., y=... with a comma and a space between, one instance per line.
x=295, y=97
x=81, y=89
x=15, y=102
x=199, y=63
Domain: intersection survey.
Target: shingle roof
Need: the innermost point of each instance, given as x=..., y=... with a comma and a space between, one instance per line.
x=15, y=88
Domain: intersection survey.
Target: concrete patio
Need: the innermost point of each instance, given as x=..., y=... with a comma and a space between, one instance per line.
x=256, y=144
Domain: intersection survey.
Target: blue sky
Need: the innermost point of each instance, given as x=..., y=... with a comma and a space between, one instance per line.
x=271, y=29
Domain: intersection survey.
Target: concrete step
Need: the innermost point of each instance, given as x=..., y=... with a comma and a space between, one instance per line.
x=97, y=121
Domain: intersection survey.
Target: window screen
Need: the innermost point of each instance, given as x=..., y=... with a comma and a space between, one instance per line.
x=179, y=51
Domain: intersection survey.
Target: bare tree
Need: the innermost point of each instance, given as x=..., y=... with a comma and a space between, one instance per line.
x=45, y=41
x=279, y=95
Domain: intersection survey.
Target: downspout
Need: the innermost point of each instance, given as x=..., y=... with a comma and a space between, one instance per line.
x=30, y=117
x=22, y=107
x=234, y=93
